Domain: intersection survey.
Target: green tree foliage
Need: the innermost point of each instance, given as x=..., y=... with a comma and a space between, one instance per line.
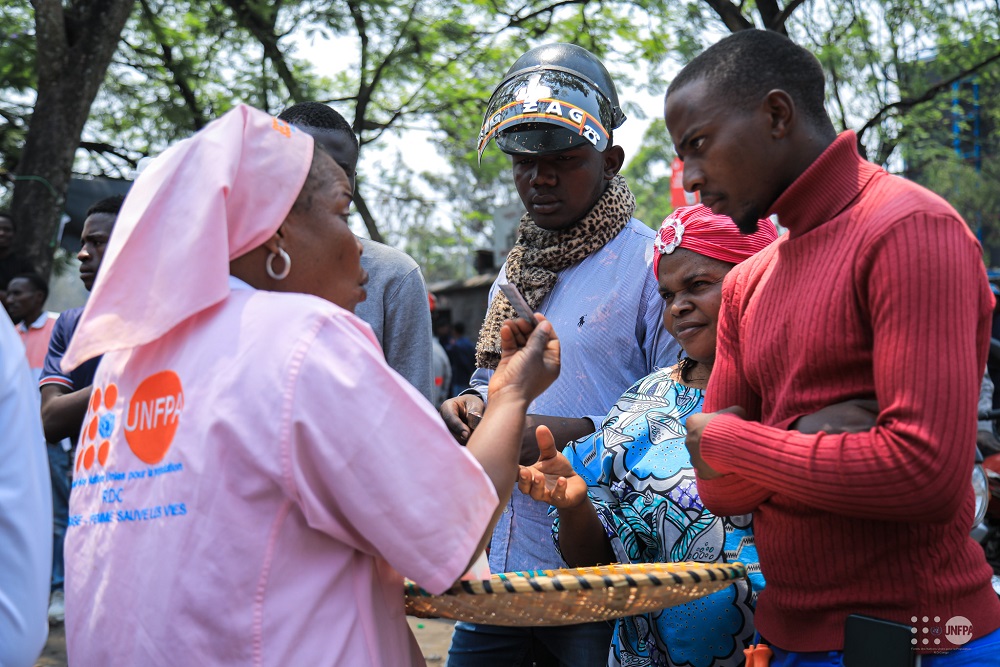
x=648, y=175
x=866, y=47
x=73, y=46
x=975, y=194
x=178, y=66
x=17, y=81
x=952, y=145
x=418, y=68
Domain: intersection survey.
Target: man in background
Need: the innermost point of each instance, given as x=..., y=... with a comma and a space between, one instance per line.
x=585, y=263
x=11, y=264
x=25, y=301
x=65, y=396
x=396, y=306
x=462, y=355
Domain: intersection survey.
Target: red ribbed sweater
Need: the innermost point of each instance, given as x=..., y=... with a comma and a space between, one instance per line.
x=878, y=290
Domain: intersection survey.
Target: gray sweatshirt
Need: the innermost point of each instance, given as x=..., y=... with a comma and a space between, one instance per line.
x=398, y=312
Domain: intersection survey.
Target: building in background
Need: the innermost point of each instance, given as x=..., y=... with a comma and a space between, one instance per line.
x=951, y=144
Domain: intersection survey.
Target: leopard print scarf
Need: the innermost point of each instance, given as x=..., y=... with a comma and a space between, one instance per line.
x=539, y=254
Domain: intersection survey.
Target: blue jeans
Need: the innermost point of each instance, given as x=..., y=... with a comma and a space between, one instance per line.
x=981, y=652
x=60, y=464
x=474, y=645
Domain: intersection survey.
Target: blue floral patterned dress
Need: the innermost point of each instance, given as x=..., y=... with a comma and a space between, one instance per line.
x=643, y=488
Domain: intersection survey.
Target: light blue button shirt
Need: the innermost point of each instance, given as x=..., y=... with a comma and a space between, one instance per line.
x=609, y=317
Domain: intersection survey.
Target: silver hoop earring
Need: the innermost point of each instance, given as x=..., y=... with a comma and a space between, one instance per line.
x=286, y=260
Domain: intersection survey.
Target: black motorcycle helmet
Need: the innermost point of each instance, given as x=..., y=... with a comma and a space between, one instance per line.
x=555, y=97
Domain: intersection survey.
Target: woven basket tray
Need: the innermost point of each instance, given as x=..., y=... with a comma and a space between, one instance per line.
x=564, y=597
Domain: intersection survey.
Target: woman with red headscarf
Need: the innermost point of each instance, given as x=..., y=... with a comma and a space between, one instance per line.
x=636, y=472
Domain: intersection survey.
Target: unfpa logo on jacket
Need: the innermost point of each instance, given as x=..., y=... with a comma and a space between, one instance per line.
x=151, y=418
x=95, y=440
x=153, y=414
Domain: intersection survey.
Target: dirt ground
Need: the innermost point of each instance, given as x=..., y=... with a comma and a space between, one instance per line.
x=434, y=637
x=54, y=654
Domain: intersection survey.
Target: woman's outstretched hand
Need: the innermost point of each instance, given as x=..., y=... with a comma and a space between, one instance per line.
x=552, y=478
x=529, y=359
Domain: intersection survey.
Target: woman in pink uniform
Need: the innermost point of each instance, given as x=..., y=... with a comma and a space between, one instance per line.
x=238, y=498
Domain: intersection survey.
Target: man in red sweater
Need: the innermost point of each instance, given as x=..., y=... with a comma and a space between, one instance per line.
x=876, y=298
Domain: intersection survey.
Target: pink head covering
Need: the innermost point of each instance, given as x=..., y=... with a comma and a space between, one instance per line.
x=699, y=230
x=205, y=201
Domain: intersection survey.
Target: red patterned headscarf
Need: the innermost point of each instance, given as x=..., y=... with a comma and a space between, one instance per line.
x=699, y=230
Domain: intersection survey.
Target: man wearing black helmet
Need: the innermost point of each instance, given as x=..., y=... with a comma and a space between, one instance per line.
x=583, y=261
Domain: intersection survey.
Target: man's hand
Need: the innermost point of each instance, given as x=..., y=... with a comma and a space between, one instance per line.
x=854, y=416
x=462, y=415
x=695, y=427
x=529, y=359
x=552, y=478
x=529, y=363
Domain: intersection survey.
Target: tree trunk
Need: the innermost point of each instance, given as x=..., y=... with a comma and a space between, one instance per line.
x=74, y=48
x=366, y=215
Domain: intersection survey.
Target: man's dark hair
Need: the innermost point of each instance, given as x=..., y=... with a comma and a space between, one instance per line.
x=318, y=179
x=36, y=281
x=111, y=205
x=6, y=214
x=748, y=64
x=320, y=116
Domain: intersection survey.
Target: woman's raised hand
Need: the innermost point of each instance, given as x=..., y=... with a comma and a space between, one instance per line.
x=529, y=358
x=552, y=478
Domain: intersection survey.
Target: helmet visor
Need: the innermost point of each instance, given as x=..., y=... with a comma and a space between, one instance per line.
x=546, y=111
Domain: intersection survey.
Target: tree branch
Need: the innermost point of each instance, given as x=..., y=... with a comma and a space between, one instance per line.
x=50, y=36
x=366, y=215
x=926, y=96
x=514, y=20
x=768, y=10
x=783, y=16
x=403, y=108
x=103, y=148
x=395, y=54
x=730, y=15
x=262, y=28
x=12, y=119
x=364, y=90
x=835, y=89
x=74, y=44
x=167, y=57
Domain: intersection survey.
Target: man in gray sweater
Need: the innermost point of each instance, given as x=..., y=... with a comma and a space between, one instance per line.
x=396, y=307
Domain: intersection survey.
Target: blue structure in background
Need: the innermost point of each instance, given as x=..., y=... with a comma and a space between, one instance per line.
x=961, y=122
x=973, y=117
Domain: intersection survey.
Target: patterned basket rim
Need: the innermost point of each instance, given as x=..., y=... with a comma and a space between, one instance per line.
x=616, y=575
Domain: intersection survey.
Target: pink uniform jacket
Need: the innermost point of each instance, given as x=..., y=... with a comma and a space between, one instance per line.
x=250, y=490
